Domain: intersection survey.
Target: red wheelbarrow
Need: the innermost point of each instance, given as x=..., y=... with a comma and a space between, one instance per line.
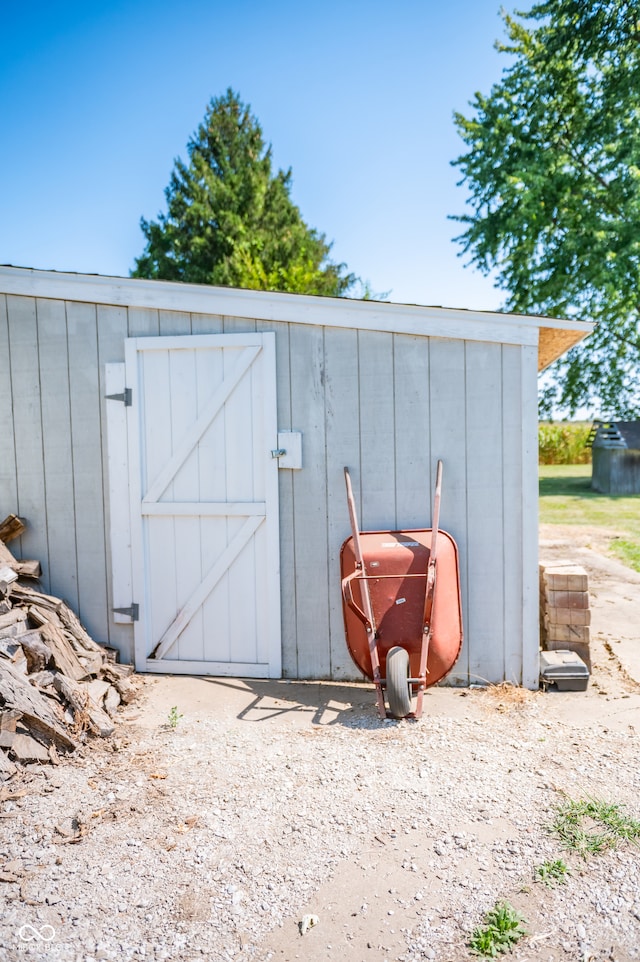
x=401, y=605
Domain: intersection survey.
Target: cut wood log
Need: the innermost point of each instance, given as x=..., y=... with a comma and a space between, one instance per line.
x=7, y=768
x=52, y=632
x=116, y=670
x=92, y=661
x=6, y=558
x=42, y=679
x=120, y=682
x=10, y=618
x=24, y=594
x=38, y=654
x=10, y=648
x=71, y=622
x=9, y=719
x=7, y=577
x=83, y=706
x=38, y=713
x=27, y=750
x=26, y=568
x=19, y=660
x=9, y=621
x=12, y=527
x=111, y=700
x=97, y=690
x=29, y=568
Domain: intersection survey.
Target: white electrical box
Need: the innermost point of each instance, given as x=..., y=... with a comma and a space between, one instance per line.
x=289, y=453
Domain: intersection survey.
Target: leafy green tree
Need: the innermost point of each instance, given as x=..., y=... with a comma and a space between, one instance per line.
x=553, y=172
x=230, y=219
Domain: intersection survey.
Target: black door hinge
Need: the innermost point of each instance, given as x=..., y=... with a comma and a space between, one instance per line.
x=126, y=397
x=133, y=611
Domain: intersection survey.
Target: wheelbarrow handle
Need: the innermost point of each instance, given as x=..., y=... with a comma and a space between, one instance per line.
x=347, y=594
x=430, y=590
x=366, y=616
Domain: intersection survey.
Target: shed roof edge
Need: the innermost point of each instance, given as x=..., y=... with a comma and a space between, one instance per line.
x=457, y=323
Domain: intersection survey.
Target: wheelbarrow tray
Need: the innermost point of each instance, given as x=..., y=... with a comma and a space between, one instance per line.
x=396, y=564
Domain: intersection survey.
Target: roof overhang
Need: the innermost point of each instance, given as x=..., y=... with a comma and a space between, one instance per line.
x=552, y=337
x=555, y=341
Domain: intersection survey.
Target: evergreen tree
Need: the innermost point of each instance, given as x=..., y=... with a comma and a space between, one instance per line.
x=230, y=219
x=553, y=170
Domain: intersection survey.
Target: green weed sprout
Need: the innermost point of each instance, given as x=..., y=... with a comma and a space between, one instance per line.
x=174, y=717
x=501, y=930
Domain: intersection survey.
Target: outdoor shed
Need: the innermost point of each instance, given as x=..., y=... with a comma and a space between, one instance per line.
x=616, y=457
x=143, y=426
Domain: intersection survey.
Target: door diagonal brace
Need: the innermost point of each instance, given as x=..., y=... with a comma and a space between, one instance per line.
x=194, y=434
x=204, y=589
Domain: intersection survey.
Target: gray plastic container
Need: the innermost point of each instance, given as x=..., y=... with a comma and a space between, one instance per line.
x=564, y=669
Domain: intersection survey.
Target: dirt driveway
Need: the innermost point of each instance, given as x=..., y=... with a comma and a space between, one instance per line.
x=271, y=802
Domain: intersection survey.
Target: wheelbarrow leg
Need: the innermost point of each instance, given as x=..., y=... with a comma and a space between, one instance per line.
x=366, y=597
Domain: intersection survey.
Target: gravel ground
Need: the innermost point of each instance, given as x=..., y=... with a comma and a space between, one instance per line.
x=272, y=801
x=198, y=842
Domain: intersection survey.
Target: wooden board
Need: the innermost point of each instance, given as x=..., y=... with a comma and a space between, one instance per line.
x=57, y=450
x=8, y=475
x=112, y=331
x=27, y=425
x=448, y=436
x=121, y=585
x=415, y=462
x=12, y=527
x=377, y=431
x=513, y=511
x=310, y=502
x=285, y=480
x=528, y=636
x=16, y=692
x=87, y=454
x=343, y=450
x=485, y=513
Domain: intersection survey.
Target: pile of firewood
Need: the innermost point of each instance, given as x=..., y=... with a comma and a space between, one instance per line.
x=56, y=684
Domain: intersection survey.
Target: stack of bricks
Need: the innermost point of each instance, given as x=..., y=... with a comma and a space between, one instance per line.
x=565, y=615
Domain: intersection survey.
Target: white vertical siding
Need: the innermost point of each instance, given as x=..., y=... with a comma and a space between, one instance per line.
x=174, y=322
x=57, y=449
x=484, y=461
x=448, y=436
x=8, y=472
x=387, y=405
x=342, y=425
x=413, y=465
x=142, y=322
x=87, y=469
x=287, y=547
x=512, y=507
x=112, y=331
x=377, y=435
x=529, y=634
x=310, y=503
x=27, y=426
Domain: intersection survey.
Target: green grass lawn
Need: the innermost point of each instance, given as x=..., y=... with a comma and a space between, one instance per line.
x=566, y=498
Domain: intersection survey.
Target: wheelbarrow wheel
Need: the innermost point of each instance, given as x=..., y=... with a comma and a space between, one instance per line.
x=398, y=691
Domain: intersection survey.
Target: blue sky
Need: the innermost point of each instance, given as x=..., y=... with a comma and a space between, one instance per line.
x=99, y=98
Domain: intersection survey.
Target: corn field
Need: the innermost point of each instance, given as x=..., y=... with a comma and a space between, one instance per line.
x=563, y=442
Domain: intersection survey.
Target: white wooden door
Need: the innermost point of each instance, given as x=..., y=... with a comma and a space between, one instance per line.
x=204, y=503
